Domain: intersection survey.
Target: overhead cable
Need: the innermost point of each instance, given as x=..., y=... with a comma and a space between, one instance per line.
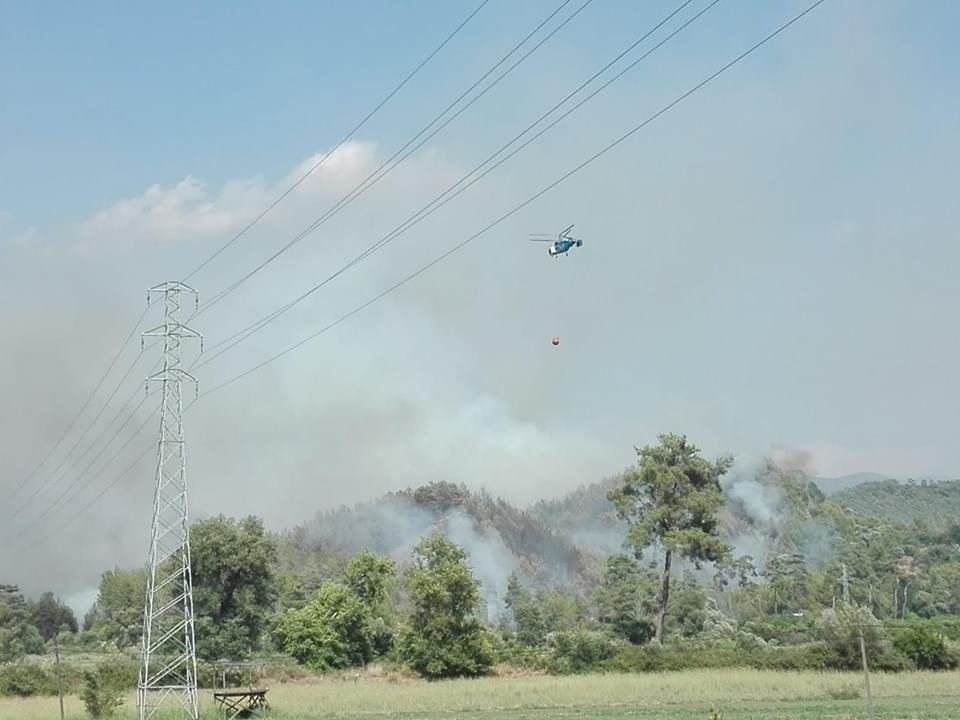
x=343, y=140
x=470, y=239
x=366, y=184
x=238, y=337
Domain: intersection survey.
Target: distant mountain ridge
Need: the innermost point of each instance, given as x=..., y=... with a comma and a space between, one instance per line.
x=830, y=485
x=836, y=484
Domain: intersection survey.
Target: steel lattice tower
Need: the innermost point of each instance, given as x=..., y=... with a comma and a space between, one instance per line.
x=168, y=663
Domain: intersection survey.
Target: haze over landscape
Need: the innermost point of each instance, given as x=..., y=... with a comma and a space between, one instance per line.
x=768, y=267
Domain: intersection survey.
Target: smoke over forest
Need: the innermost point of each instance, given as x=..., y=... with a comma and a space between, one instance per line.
x=769, y=510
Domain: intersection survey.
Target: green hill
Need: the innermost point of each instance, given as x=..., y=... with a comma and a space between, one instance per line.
x=833, y=485
x=499, y=537
x=767, y=510
x=937, y=503
x=562, y=542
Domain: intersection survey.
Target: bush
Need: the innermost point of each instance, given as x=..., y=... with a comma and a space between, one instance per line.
x=581, y=650
x=104, y=687
x=925, y=648
x=786, y=629
x=467, y=653
x=699, y=655
x=520, y=655
x=24, y=679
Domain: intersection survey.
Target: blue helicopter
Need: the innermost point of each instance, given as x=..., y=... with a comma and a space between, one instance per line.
x=562, y=245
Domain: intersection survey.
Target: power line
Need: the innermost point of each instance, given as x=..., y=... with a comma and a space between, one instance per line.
x=51, y=507
x=583, y=85
x=363, y=186
x=77, y=416
x=502, y=218
x=230, y=242
x=95, y=441
x=84, y=434
x=345, y=138
x=109, y=487
x=426, y=211
x=599, y=154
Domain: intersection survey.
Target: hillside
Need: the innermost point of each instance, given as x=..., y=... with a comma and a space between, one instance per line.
x=562, y=542
x=831, y=485
x=499, y=537
x=768, y=510
x=934, y=502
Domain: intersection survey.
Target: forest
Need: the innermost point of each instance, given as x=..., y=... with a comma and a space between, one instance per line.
x=678, y=562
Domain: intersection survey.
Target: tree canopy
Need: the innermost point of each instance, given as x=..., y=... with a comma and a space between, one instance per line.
x=671, y=500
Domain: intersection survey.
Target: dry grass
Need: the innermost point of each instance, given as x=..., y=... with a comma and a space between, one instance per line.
x=674, y=695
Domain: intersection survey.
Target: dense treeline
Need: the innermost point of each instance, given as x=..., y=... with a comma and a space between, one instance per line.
x=934, y=502
x=758, y=570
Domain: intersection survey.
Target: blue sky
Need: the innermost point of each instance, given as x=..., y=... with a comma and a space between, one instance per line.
x=768, y=267
x=116, y=96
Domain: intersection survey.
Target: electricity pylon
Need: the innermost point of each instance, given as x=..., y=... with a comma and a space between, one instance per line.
x=168, y=664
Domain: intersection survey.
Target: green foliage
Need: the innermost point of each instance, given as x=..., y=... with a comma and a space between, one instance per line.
x=233, y=584
x=839, y=629
x=371, y=578
x=23, y=679
x=117, y=614
x=676, y=655
x=51, y=616
x=104, y=688
x=18, y=637
x=346, y=624
x=330, y=632
x=543, y=553
x=785, y=629
x=925, y=648
x=938, y=503
x=672, y=500
x=687, y=608
x=535, y=613
x=626, y=599
x=581, y=650
x=444, y=637
x=330, y=604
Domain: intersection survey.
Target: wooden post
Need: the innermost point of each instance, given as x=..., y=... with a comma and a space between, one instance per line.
x=866, y=670
x=56, y=650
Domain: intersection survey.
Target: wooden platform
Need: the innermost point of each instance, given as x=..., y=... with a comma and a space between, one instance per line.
x=242, y=703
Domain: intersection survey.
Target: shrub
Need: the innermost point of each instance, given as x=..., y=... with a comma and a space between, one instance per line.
x=925, y=648
x=23, y=679
x=511, y=651
x=673, y=656
x=104, y=688
x=581, y=650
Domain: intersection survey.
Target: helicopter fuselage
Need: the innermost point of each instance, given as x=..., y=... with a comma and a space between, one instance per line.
x=562, y=247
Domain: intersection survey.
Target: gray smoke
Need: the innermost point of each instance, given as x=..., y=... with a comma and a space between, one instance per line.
x=489, y=557
x=392, y=526
x=763, y=522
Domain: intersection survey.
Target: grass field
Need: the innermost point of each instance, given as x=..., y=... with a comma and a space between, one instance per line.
x=738, y=694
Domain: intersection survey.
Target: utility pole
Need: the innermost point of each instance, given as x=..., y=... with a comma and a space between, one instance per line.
x=863, y=645
x=56, y=650
x=168, y=663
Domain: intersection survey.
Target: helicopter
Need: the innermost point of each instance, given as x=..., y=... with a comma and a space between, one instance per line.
x=562, y=245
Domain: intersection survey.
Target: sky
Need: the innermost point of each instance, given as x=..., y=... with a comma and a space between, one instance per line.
x=767, y=265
